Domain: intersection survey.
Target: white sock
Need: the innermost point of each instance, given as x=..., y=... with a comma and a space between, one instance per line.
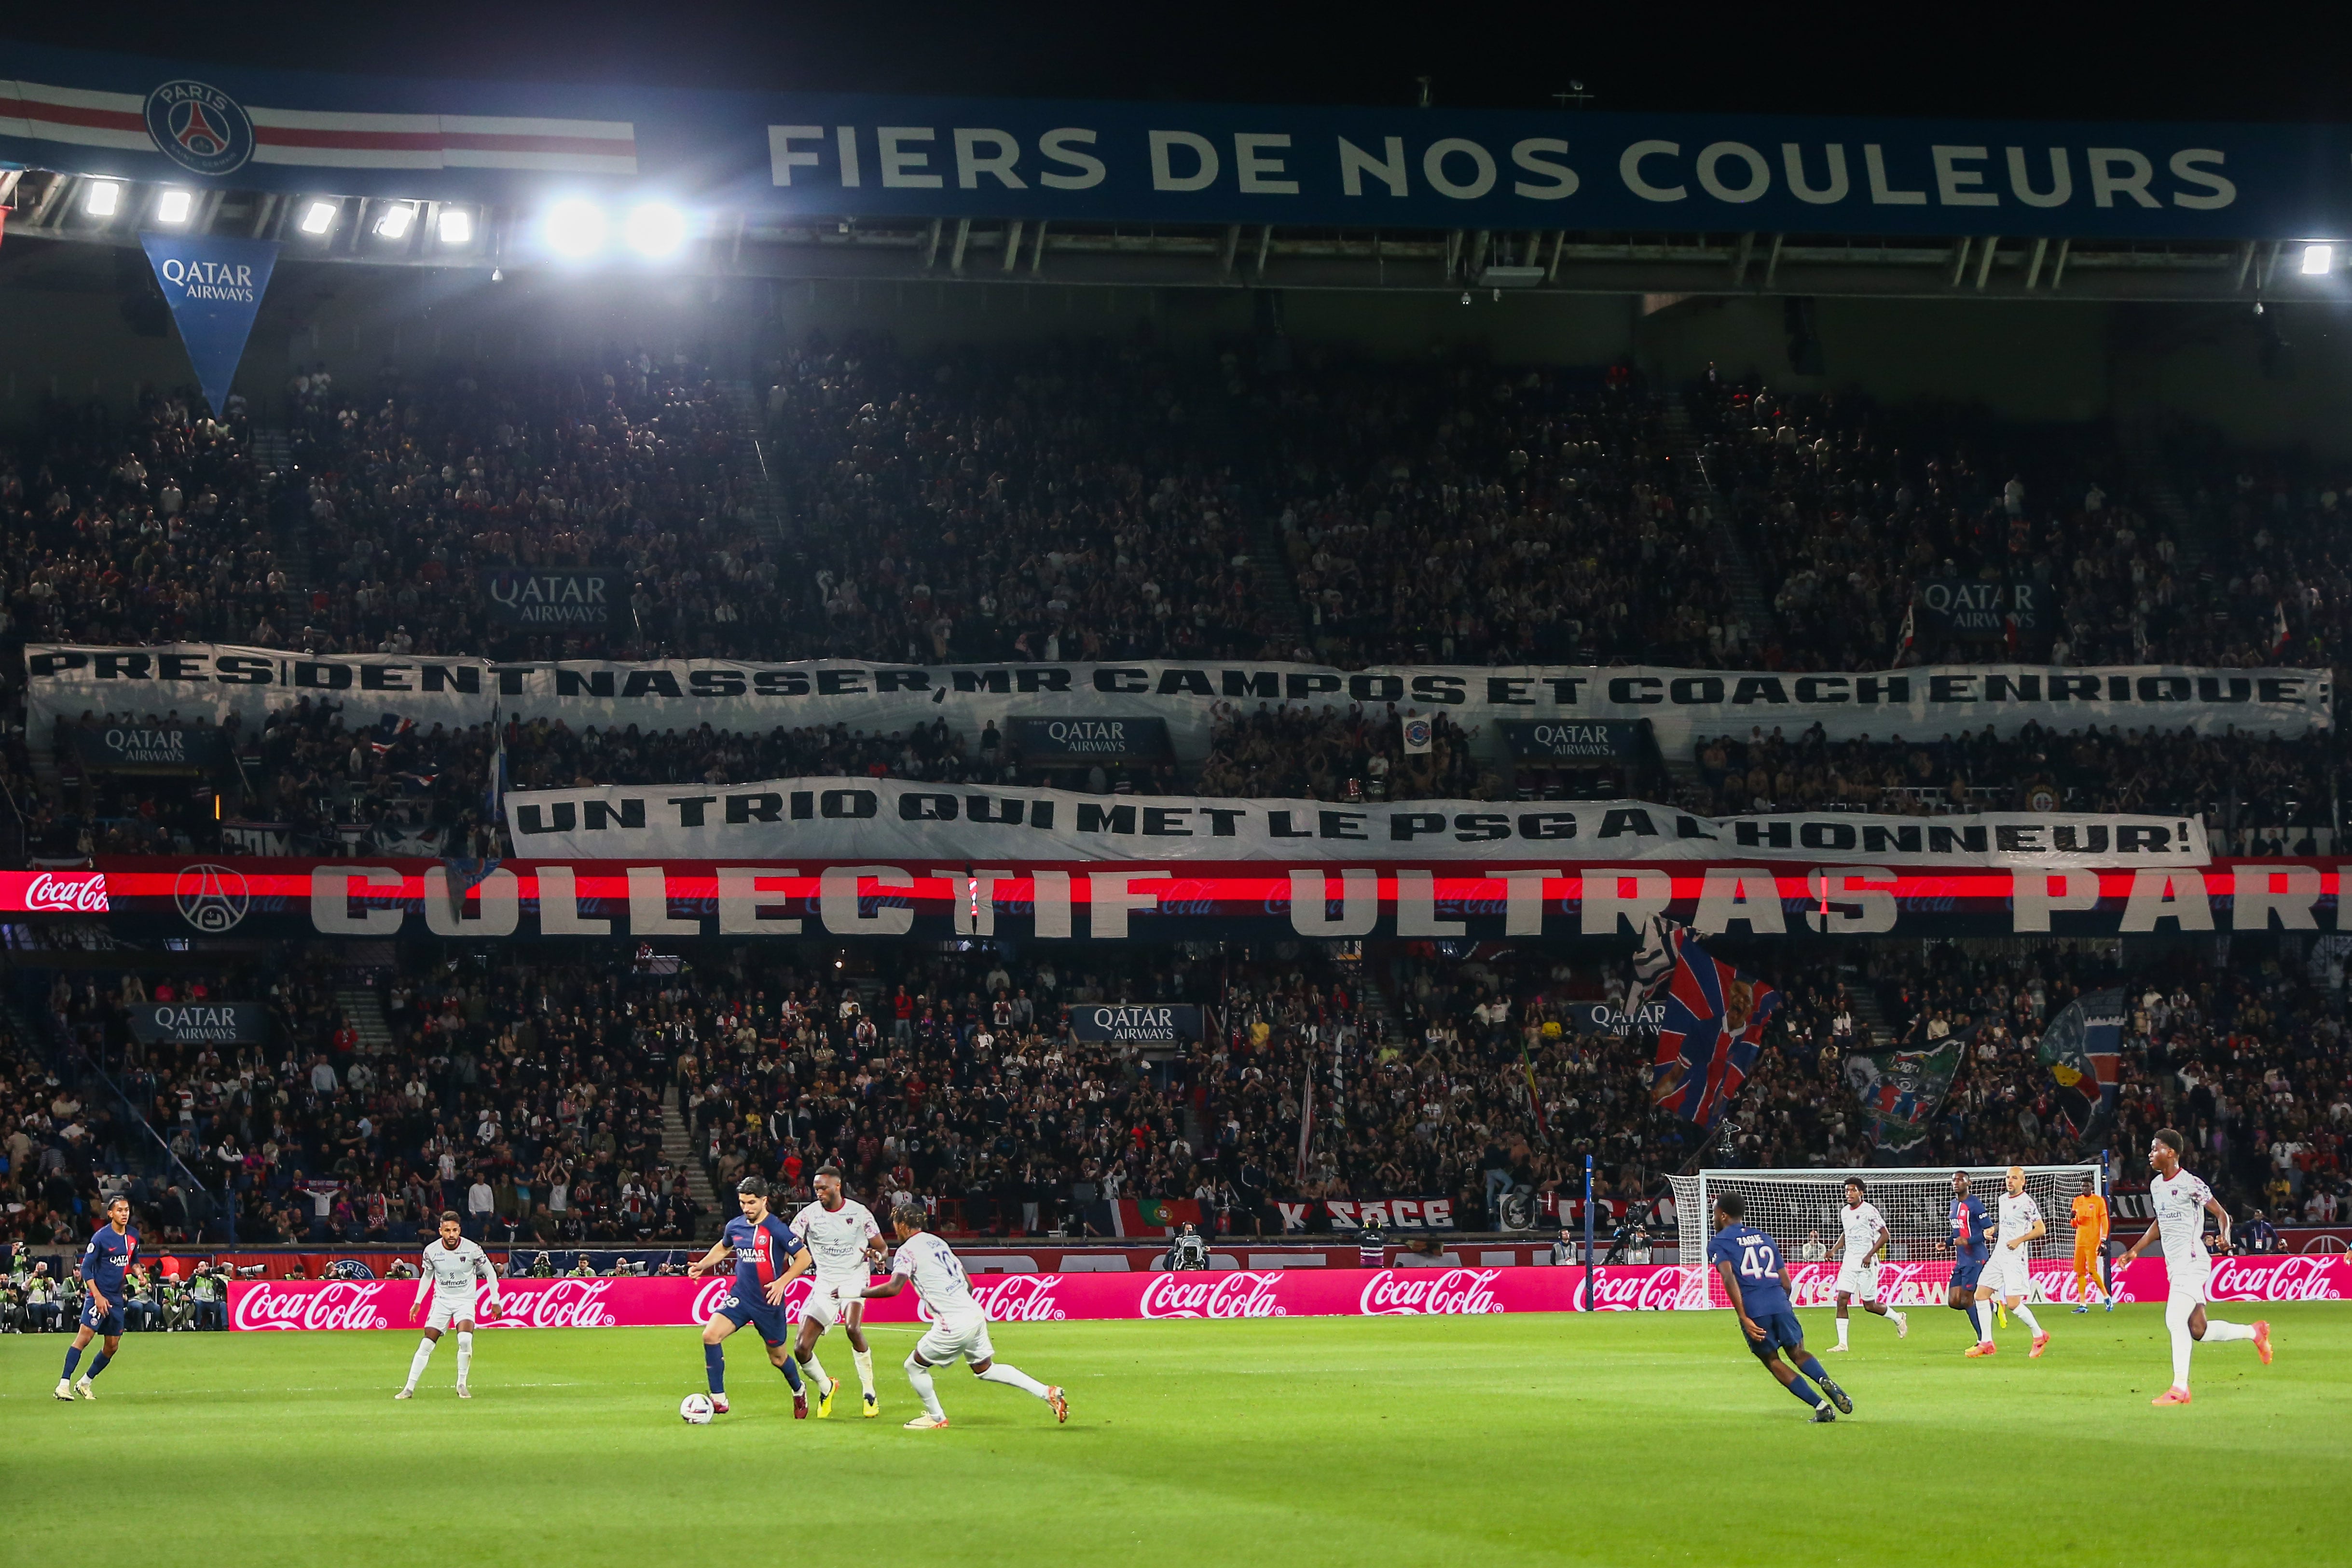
x=2025, y=1315
x=464, y=1357
x=864, y=1360
x=2181, y=1346
x=1841, y=1323
x=816, y=1369
x=416, y=1362
x=999, y=1373
x=1984, y=1322
x=921, y=1376
x=2218, y=1331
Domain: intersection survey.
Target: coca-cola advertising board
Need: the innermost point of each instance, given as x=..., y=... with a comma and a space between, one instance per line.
x=581, y=1303
x=53, y=892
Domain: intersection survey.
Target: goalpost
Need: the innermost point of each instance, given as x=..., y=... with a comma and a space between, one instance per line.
x=1794, y=1207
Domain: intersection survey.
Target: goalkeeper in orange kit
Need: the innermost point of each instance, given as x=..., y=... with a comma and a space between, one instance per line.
x=2090, y=1252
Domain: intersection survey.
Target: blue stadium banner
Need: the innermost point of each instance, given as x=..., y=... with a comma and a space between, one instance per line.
x=527, y=597
x=1586, y=741
x=834, y=155
x=1136, y=1023
x=214, y=285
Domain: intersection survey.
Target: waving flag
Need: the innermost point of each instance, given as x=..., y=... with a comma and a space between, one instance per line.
x=1713, y=1027
x=1899, y=1090
x=2082, y=1048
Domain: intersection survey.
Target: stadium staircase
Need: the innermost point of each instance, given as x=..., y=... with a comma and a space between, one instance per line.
x=1698, y=489
x=1269, y=570
x=1380, y=1014
x=364, y=1008
x=2144, y=465
x=677, y=1150
x=751, y=456
x=290, y=528
x=1862, y=997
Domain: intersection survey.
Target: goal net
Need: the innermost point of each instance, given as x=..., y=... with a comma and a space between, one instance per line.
x=1799, y=1209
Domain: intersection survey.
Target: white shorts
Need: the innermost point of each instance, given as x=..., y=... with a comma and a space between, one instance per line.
x=944, y=1341
x=448, y=1309
x=2004, y=1272
x=2186, y=1283
x=1858, y=1280
x=834, y=1302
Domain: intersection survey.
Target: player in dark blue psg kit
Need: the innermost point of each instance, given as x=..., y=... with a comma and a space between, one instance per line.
x=1971, y=1244
x=1757, y=1283
x=767, y=1259
x=104, y=1262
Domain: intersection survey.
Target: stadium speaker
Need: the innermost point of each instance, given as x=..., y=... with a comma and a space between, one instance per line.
x=1804, y=343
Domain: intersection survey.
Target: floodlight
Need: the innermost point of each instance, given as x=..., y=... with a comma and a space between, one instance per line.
x=2317, y=259
x=104, y=197
x=173, y=207
x=456, y=225
x=654, y=229
x=575, y=228
x=319, y=217
x=394, y=224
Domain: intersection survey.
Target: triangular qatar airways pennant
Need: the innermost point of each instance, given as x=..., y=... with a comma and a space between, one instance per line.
x=214, y=286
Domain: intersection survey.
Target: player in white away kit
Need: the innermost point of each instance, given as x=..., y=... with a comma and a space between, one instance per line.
x=958, y=1327
x=2181, y=1203
x=847, y=1243
x=2005, y=1276
x=457, y=1274
x=1857, y=1280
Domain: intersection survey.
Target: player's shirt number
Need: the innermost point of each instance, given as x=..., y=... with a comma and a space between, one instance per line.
x=1757, y=1263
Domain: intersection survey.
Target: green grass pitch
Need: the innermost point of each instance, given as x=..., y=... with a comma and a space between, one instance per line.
x=1618, y=1439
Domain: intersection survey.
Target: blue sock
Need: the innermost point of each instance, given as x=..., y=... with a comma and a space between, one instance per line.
x=73, y=1358
x=1975, y=1322
x=714, y=1360
x=1804, y=1391
x=98, y=1365
x=1812, y=1367
x=792, y=1374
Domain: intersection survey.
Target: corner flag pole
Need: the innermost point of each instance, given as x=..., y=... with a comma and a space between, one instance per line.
x=1588, y=1233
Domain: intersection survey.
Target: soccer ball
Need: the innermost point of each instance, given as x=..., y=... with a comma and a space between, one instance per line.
x=695, y=1409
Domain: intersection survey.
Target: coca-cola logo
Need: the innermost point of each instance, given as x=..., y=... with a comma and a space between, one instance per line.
x=328, y=1304
x=558, y=1304
x=1450, y=1292
x=48, y=893
x=1015, y=1299
x=2288, y=1278
x=1242, y=1293
x=1663, y=1289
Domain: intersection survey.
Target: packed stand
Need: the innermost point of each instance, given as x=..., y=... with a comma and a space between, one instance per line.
x=155, y=530
x=2286, y=578
x=1847, y=510
x=1295, y=753
x=2269, y=794
x=1074, y=502
x=411, y=490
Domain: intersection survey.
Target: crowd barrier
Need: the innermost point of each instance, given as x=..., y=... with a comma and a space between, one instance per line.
x=1233, y=1293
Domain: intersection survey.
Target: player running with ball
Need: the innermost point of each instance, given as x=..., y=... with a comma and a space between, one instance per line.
x=457, y=1274
x=767, y=1259
x=958, y=1327
x=2182, y=1204
x=841, y=1235
x=1864, y=1242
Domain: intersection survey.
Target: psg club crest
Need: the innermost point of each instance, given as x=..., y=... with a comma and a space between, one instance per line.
x=211, y=897
x=200, y=128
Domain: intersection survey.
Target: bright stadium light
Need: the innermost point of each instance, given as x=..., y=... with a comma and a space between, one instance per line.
x=654, y=229
x=575, y=228
x=319, y=217
x=105, y=196
x=2317, y=259
x=173, y=207
x=394, y=224
x=456, y=225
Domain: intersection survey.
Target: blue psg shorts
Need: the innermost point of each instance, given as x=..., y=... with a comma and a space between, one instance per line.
x=755, y=1312
x=1965, y=1273
x=107, y=1323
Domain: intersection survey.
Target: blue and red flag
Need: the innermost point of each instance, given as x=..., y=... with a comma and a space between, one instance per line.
x=1713, y=1027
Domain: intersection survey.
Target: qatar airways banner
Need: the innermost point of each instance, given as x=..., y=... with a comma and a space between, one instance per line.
x=1683, y=706
x=1006, y=1298
x=891, y=818
x=681, y=1302
x=666, y=901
